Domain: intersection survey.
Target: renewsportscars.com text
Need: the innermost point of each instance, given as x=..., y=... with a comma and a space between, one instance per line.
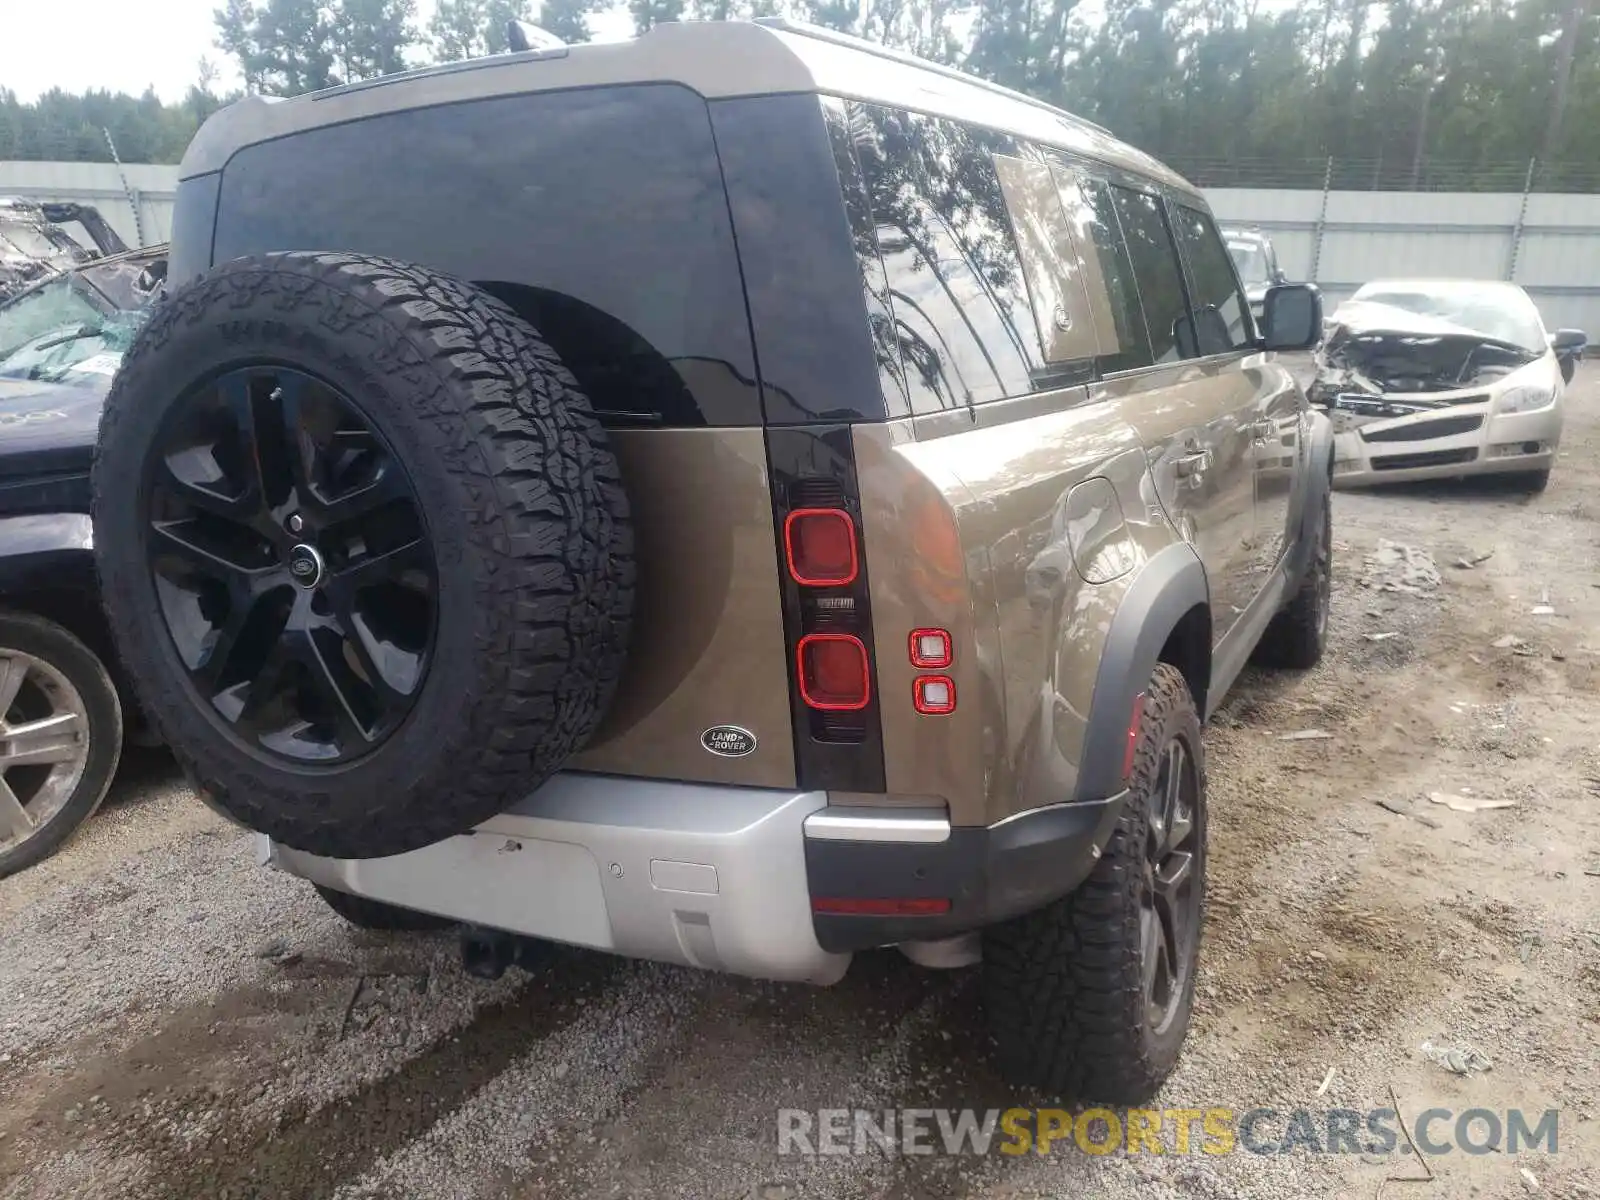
x=1214, y=1131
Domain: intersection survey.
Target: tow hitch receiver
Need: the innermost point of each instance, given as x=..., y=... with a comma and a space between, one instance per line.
x=486, y=953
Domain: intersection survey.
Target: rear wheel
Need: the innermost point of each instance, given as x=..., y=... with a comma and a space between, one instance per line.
x=60, y=737
x=364, y=548
x=375, y=914
x=1090, y=997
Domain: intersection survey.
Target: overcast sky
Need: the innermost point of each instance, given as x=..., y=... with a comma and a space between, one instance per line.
x=127, y=46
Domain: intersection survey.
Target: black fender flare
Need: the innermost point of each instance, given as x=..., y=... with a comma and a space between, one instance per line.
x=45, y=548
x=1305, y=510
x=1169, y=585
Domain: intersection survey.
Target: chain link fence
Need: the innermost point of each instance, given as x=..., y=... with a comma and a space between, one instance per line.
x=1388, y=174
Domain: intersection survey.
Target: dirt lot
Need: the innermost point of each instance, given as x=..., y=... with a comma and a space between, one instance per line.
x=175, y=1022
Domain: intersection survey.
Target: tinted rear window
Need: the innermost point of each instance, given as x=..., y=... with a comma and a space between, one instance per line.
x=601, y=212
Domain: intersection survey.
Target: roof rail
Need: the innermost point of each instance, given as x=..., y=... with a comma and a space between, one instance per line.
x=824, y=34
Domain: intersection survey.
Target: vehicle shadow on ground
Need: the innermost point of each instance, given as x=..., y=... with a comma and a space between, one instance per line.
x=144, y=774
x=143, y=765
x=1469, y=487
x=1254, y=692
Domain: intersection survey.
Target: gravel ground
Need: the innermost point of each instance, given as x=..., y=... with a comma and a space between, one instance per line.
x=175, y=1022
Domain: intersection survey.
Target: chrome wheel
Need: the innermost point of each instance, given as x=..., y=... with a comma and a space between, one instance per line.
x=44, y=745
x=1169, y=917
x=292, y=565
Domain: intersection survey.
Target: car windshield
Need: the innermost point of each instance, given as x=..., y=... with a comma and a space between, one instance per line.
x=1251, y=259
x=32, y=241
x=55, y=332
x=1501, y=313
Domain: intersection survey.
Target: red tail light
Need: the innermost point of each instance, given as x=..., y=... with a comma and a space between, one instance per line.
x=834, y=674
x=820, y=544
x=931, y=649
x=851, y=906
x=934, y=695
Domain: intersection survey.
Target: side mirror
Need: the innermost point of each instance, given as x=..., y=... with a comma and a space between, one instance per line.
x=1292, y=317
x=1569, y=345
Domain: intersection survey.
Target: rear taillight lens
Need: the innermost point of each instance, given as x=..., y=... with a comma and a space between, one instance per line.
x=934, y=695
x=834, y=673
x=873, y=906
x=931, y=649
x=820, y=544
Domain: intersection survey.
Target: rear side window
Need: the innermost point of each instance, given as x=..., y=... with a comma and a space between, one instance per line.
x=1051, y=264
x=1156, y=270
x=600, y=214
x=1113, y=294
x=955, y=284
x=1222, y=317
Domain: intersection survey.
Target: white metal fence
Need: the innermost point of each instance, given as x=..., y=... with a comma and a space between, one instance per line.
x=1548, y=242
x=136, y=200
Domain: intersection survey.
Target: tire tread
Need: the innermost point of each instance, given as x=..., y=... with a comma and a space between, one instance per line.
x=1063, y=986
x=547, y=526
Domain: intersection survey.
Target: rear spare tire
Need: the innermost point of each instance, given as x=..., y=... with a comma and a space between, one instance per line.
x=364, y=549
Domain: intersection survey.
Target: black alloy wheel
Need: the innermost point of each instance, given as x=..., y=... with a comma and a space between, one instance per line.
x=1169, y=918
x=292, y=564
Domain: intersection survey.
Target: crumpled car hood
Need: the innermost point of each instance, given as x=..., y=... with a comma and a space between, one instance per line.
x=1371, y=317
x=1379, y=350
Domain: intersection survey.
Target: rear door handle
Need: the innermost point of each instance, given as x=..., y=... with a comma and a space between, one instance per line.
x=1193, y=464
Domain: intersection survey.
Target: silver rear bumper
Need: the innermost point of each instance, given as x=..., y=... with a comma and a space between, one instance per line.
x=705, y=876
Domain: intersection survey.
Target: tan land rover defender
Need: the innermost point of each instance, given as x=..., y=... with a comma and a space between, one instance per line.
x=738, y=497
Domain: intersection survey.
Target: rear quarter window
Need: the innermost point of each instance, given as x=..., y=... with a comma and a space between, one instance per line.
x=1052, y=266
x=600, y=214
x=956, y=288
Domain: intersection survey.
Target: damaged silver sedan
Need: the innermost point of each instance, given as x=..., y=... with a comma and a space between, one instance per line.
x=1434, y=379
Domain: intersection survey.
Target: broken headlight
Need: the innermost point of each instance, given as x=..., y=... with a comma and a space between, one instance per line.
x=1525, y=399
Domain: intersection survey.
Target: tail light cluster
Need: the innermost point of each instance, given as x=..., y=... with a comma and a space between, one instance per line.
x=838, y=736
x=821, y=548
